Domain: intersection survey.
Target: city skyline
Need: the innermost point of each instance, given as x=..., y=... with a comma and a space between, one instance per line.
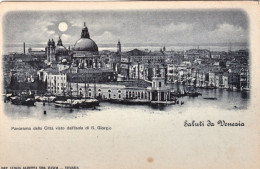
x=145, y=27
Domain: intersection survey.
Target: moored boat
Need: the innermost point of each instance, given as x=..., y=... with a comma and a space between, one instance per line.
x=210, y=98
x=88, y=103
x=77, y=103
x=67, y=103
x=210, y=87
x=45, y=98
x=194, y=94
x=23, y=99
x=129, y=101
x=8, y=96
x=168, y=102
x=245, y=89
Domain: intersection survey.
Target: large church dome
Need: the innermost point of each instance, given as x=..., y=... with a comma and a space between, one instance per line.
x=85, y=43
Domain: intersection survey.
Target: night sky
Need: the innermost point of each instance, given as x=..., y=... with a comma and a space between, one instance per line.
x=143, y=26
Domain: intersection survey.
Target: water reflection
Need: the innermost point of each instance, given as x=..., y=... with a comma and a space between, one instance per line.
x=227, y=100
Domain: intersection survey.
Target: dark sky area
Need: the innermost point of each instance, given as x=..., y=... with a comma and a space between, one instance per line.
x=143, y=26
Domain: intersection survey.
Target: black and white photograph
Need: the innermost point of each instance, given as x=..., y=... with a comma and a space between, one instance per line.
x=57, y=62
x=129, y=85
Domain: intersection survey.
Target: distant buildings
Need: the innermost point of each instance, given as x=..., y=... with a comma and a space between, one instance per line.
x=86, y=71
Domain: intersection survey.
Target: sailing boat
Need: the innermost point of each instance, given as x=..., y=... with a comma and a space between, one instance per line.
x=180, y=90
x=89, y=102
x=193, y=93
x=67, y=103
x=24, y=98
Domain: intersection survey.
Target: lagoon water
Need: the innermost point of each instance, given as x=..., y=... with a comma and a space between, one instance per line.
x=226, y=100
x=138, y=133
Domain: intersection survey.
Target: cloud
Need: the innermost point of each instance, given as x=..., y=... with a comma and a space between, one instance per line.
x=177, y=28
x=39, y=33
x=105, y=37
x=129, y=27
x=163, y=33
x=172, y=28
x=228, y=33
x=65, y=37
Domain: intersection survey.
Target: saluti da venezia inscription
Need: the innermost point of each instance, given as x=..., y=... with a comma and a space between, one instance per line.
x=209, y=123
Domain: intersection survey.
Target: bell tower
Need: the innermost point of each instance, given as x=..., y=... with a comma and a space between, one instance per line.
x=48, y=50
x=119, y=47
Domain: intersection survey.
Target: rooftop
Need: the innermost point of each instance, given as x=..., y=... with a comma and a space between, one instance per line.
x=133, y=83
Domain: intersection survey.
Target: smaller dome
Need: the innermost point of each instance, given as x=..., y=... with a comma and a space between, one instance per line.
x=61, y=50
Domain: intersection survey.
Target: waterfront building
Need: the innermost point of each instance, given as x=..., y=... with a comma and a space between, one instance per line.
x=111, y=90
x=171, y=73
x=159, y=90
x=225, y=80
x=234, y=80
x=219, y=82
x=244, y=79
x=201, y=78
x=212, y=79
x=57, y=83
x=55, y=80
x=138, y=90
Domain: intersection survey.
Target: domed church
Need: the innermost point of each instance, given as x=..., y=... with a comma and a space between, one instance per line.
x=85, y=51
x=55, y=53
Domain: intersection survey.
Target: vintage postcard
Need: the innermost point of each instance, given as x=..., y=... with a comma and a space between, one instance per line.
x=128, y=85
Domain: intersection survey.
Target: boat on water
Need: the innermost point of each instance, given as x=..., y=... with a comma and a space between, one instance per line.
x=45, y=98
x=166, y=102
x=77, y=103
x=193, y=94
x=245, y=89
x=88, y=103
x=180, y=91
x=210, y=98
x=66, y=103
x=173, y=94
x=26, y=102
x=129, y=101
x=7, y=97
x=210, y=87
x=23, y=99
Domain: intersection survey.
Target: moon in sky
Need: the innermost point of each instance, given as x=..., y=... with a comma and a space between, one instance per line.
x=63, y=26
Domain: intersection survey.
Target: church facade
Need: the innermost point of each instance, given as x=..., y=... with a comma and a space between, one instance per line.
x=56, y=53
x=85, y=52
